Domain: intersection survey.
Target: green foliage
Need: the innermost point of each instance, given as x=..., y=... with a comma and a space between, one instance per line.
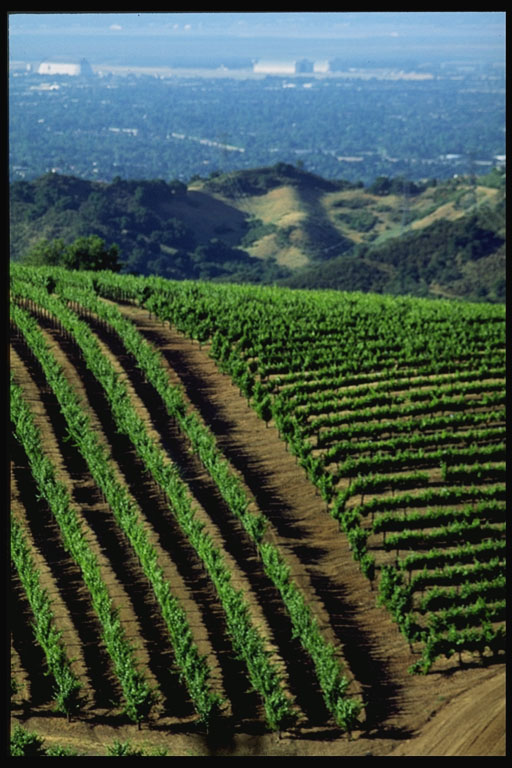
x=261, y=180
x=89, y=253
x=59, y=220
x=462, y=259
x=334, y=344
x=92, y=254
x=67, y=687
x=46, y=252
x=26, y=744
x=124, y=749
x=247, y=640
x=256, y=230
x=139, y=698
x=15, y=687
x=438, y=253
x=496, y=179
x=345, y=273
x=353, y=203
x=59, y=751
x=383, y=185
x=403, y=375
x=362, y=221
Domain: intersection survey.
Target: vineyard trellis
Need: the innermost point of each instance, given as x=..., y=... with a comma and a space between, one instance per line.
x=332, y=681
x=393, y=407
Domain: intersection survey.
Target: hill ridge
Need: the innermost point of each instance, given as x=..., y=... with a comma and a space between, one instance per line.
x=283, y=225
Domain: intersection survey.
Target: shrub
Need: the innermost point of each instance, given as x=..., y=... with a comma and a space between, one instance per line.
x=26, y=744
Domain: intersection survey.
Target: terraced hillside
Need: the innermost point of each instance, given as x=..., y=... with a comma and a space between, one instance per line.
x=282, y=506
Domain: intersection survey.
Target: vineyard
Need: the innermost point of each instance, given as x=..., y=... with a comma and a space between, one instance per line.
x=251, y=511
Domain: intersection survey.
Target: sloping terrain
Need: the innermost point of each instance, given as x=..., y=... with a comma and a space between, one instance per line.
x=283, y=225
x=400, y=709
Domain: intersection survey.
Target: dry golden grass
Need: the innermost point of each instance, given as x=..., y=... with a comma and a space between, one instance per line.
x=291, y=209
x=267, y=247
x=446, y=211
x=278, y=204
x=292, y=257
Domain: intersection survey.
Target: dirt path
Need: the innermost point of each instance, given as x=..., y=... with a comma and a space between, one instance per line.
x=471, y=724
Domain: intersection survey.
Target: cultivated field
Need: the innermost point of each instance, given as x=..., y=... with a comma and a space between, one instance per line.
x=254, y=521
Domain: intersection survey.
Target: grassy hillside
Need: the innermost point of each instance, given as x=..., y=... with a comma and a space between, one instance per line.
x=284, y=225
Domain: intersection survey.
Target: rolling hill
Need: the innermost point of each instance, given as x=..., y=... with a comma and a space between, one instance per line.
x=286, y=226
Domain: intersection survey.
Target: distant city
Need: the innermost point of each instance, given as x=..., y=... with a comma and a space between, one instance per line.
x=277, y=67
x=81, y=67
x=345, y=95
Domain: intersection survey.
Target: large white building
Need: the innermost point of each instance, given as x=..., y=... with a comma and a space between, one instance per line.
x=265, y=67
x=65, y=67
x=322, y=66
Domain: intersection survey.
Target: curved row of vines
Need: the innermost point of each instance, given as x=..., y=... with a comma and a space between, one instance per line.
x=278, y=708
x=395, y=408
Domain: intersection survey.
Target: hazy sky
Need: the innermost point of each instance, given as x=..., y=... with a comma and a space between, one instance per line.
x=98, y=36
x=291, y=23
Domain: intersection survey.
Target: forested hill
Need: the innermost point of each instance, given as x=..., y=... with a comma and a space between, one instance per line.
x=282, y=225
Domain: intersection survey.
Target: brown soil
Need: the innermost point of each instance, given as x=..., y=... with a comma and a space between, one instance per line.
x=452, y=711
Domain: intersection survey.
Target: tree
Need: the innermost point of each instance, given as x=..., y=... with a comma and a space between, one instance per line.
x=88, y=252
x=177, y=188
x=49, y=252
x=91, y=253
x=381, y=186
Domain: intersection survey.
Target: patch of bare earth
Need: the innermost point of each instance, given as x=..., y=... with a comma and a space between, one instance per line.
x=404, y=715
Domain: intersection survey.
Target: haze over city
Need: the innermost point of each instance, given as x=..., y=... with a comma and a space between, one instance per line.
x=135, y=38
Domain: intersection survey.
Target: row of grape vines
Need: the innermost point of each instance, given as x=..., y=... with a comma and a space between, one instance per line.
x=395, y=408
x=330, y=676
x=194, y=669
x=333, y=683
